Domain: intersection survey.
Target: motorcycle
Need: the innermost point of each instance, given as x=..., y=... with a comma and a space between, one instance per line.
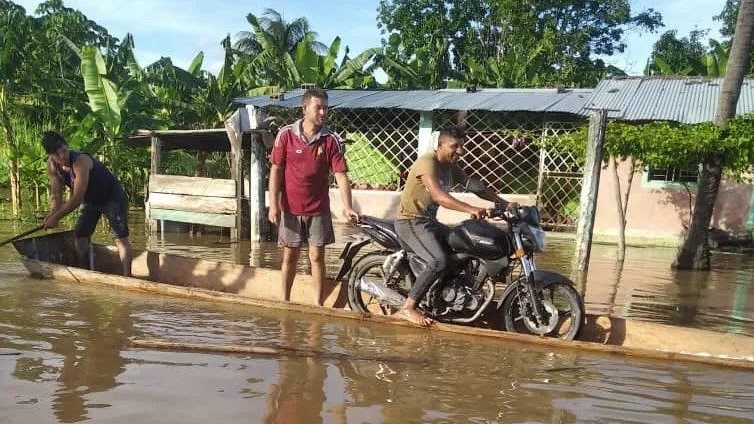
x=534, y=301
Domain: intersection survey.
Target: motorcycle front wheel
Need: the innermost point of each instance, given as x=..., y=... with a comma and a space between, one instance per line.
x=562, y=303
x=369, y=267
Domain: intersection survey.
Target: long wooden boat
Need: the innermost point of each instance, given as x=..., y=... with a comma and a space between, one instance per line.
x=50, y=256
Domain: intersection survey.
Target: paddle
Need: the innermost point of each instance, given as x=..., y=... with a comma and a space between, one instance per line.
x=22, y=235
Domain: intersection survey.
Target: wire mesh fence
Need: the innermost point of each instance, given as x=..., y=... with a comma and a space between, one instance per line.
x=501, y=149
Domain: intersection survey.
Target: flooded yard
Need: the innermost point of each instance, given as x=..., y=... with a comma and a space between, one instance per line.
x=64, y=355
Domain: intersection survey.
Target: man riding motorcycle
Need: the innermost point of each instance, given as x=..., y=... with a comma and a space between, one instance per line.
x=426, y=189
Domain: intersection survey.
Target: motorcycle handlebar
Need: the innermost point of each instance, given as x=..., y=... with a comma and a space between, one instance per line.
x=498, y=212
x=501, y=211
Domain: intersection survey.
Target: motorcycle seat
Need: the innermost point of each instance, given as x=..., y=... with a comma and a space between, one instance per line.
x=384, y=226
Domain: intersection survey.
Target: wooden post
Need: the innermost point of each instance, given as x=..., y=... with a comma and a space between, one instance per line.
x=236, y=173
x=462, y=121
x=260, y=228
x=542, y=166
x=590, y=189
x=156, y=159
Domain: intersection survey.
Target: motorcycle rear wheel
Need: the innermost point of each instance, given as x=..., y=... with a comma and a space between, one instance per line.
x=560, y=295
x=369, y=267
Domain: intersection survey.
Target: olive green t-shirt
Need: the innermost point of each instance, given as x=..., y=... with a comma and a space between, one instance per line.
x=416, y=201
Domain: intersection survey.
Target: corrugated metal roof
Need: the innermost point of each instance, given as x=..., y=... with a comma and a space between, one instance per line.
x=570, y=101
x=689, y=100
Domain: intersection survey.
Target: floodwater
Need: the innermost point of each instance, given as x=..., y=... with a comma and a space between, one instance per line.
x=64, y=353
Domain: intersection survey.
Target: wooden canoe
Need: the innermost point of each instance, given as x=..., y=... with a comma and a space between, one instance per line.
x=50, y=256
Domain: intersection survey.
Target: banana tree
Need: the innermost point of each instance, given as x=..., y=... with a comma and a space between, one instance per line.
x=716, y=60
x=517, y=68
x=323, y=70
x=16, y=34
x=118, y=97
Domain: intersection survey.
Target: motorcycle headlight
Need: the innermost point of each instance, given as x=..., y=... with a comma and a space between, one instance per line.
x=538, y=238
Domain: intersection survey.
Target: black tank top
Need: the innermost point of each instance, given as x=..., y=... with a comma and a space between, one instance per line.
x=103, y=186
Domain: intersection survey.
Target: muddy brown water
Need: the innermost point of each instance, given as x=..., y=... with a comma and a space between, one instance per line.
x=64, y=355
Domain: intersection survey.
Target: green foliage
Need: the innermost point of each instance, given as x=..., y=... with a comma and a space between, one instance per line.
x=104, y=98
x=367, y=165
x=509, y=42
x=287, y=55
x=28, y=152
x=664, y=145
x=181, y=162
x=674, y=56
x=687, y=56
x=727, y=17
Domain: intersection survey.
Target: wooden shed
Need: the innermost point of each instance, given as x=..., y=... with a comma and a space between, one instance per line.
x=219, y=202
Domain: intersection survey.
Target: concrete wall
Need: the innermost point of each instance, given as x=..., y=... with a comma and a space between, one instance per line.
x=384, y=204
x=657, y=210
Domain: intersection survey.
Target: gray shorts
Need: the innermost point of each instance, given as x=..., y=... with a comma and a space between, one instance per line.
x=296, y=230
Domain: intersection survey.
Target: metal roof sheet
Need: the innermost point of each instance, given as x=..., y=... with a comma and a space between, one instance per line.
x=493, y=99
x=689, y=100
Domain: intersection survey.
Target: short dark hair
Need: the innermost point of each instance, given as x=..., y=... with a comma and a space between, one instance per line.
x=454, y=133
x=52, y=141
x=314, y=92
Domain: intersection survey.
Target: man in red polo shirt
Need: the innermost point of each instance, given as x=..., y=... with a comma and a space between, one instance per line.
x=303, y=155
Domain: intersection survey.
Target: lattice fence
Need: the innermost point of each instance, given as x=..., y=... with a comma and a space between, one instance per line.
x=501, y=149
x=381, y=144
x=561, y=175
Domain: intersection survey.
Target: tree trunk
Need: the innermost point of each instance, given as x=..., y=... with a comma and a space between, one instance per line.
x=694, y=253
x=621, y=216
x=10, y=140
x=621, y=201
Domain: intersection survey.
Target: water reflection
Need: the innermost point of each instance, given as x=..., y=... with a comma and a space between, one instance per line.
x=81, y=338
x=298, y=395
x=75, y=365
x=91, y=355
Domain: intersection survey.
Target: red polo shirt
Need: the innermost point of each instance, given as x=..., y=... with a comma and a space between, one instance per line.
x=307, y=167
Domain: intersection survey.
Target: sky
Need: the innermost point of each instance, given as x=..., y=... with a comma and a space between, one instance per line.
x=181, y=28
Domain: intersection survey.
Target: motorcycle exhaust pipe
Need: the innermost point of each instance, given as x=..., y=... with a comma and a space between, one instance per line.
x=382, y=292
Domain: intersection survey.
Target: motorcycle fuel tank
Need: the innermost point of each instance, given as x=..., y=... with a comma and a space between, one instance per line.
x=479, y=238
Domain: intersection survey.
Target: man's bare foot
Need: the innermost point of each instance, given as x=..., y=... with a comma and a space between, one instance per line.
x=416, y=317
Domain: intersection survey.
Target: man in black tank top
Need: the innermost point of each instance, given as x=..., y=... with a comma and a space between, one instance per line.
x=94, y=191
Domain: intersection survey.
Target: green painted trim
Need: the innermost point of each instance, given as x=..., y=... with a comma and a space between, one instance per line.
x=661, y=184
x=217, y=220
x=631, y=241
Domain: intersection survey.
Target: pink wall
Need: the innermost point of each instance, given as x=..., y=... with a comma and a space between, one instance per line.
x=653, y=212
x=661, y=212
